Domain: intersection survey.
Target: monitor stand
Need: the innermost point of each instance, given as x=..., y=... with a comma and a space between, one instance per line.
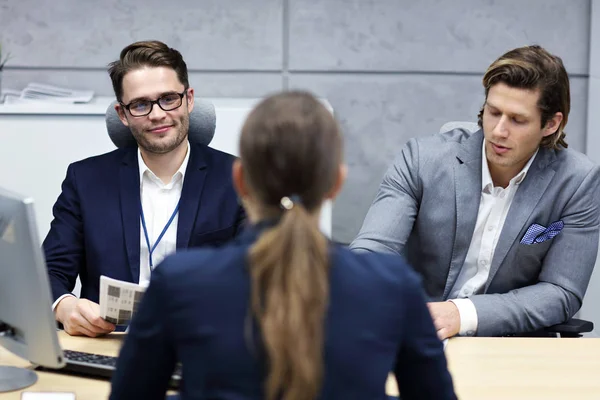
x=14, y=378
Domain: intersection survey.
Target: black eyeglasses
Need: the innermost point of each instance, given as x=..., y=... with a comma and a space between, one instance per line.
x=167, y=102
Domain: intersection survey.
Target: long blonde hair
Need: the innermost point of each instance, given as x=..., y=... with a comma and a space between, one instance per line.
x=291, y=148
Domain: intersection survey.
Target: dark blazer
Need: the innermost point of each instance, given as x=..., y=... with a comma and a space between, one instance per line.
x=96, y=226
x=195, y=311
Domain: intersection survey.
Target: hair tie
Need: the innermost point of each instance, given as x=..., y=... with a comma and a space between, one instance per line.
x=287, y=202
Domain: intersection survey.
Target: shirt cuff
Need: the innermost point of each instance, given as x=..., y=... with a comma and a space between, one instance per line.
x=59, y=299
x=468, y=316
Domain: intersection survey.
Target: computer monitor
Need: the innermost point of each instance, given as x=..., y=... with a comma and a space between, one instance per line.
x=27, y=325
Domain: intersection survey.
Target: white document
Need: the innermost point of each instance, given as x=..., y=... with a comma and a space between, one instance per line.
x=119, y=300
x=47, y=396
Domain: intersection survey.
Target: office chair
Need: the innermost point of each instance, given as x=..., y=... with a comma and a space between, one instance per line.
x=202, y=125
x=571, y=328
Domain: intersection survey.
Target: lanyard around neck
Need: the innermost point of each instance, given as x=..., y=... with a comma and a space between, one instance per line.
x=152, y=248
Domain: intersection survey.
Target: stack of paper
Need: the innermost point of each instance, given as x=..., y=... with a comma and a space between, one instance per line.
x=39, y=91
x=36, y=92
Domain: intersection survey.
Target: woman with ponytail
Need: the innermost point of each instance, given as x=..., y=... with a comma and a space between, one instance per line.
x=281, y=313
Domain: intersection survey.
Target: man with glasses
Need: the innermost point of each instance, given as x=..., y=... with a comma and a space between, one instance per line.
x=120, y=213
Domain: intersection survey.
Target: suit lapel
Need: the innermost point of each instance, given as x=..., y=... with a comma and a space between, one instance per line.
x=129, y=189
x=467, y=186
x=528, y=194
x=191, y=194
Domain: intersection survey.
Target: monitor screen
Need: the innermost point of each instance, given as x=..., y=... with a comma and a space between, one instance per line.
x=27, y=325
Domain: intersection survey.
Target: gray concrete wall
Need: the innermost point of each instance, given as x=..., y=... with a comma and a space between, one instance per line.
x=392, y=69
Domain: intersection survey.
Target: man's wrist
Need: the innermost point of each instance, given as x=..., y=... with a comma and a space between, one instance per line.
x=468, y=316
x=59, y=305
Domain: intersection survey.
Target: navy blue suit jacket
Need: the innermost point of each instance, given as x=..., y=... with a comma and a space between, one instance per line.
x=96, y=226
x=195, y=311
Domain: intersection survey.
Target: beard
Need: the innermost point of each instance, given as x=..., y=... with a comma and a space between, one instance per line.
x=165, y=143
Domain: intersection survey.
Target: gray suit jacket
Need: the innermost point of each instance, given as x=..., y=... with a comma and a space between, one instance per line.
x=426, y=209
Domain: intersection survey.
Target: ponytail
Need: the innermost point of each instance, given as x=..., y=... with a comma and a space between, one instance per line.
x=289, y=269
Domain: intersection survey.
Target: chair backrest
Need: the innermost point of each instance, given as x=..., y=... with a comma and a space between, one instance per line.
x=202, y=125
x=467, y=125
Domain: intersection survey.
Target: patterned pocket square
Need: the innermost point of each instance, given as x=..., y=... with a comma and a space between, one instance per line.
x=538, y=233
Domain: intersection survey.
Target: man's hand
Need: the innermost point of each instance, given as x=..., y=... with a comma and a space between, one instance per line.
x=446, y=318
x=81, y=317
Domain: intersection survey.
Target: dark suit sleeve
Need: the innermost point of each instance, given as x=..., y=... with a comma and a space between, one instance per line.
x=147, y=358
x=421, y=369
x=63, y=246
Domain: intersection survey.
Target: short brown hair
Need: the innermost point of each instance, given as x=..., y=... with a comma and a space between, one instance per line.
x=151, y=53
x=291, y=146
x=532, y=67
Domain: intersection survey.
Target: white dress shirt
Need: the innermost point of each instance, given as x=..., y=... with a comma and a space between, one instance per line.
x=493, y=208
x=158, y=202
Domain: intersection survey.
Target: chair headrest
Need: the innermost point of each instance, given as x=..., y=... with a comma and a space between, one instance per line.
x=466, y=125
x=202, y=125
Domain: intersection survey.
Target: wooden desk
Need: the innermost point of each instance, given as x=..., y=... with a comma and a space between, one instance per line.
x=84, y=388
x=525, y=368
x=482, y=368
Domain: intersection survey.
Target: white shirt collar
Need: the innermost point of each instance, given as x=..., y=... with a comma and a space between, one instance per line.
x=180, y=172
x=486, y=177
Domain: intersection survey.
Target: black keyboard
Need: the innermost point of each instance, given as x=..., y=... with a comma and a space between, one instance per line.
x=99, y=366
